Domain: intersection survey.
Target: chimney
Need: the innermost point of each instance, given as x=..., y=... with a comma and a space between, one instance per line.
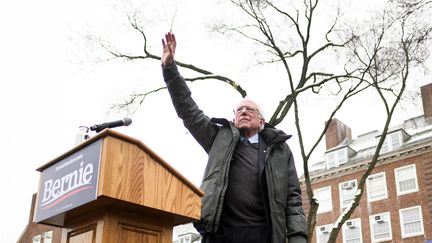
x=336, y=133
x=426, y=94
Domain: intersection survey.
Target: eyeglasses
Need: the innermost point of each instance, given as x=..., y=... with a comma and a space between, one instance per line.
x=248, y=109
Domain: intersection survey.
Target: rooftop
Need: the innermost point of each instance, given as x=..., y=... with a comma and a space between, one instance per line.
x=360, y=150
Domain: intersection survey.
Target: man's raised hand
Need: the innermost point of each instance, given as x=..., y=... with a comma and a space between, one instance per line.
x=169, y=46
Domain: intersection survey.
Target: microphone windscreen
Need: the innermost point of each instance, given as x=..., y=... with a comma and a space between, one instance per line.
x=127, y=121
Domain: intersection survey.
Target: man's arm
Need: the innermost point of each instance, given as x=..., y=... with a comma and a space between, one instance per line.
x=193, y=118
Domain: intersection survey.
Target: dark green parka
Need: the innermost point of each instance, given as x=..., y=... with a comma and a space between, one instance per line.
x=219, y=137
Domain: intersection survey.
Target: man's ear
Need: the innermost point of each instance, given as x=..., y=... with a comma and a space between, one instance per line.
x=262, y=124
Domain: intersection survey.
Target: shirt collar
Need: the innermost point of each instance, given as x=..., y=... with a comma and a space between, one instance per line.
x=253, y=139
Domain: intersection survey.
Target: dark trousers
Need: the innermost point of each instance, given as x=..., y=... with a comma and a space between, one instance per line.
x=238, y=235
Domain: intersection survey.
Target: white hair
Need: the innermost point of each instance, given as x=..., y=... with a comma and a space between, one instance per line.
x=257, y=106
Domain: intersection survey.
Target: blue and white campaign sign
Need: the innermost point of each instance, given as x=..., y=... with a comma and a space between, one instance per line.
x=69, y=183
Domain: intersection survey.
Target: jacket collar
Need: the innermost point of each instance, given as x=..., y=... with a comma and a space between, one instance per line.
x=272, y=135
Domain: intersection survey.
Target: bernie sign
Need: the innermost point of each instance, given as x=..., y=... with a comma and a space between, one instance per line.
x=69, y=183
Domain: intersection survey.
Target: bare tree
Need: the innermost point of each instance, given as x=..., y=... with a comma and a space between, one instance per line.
x=389, y=50
x=377, y=54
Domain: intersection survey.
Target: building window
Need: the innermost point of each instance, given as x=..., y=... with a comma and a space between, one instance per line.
x=406, y=179
x=36, y=239
x=352, y=231
x=47, y=237
x=342, y=156
x=411, y=221
x=392, y=142
x=323, y=233
x=323, y=195
x=376, y=187
x=337, y=158
x=331, y=161
x=380, y=225
x=347, y=191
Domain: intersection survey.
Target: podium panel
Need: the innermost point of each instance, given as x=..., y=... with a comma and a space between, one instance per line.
x=136, y=234
x=86, y=234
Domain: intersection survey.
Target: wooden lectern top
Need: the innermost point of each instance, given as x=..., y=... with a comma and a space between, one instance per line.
x=130, y=175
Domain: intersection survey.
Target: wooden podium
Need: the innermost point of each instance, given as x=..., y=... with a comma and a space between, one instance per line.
x=113, y=188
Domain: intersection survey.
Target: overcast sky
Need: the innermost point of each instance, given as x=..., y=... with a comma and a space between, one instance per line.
x=50, y=86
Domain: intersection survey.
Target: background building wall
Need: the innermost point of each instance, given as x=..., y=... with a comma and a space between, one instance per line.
x=392, y=204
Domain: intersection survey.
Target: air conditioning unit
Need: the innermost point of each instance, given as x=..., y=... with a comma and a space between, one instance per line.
x=348, y=185
x=351, y=224
x=325, y=229
x=379, y=219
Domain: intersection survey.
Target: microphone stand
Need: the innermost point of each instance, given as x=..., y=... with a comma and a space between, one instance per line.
x=82, y=135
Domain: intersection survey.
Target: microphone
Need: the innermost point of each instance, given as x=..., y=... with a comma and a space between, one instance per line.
x=99, y=127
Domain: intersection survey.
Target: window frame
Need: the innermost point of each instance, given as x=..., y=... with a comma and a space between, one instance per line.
x=37, y=238
x=368, y=187
x=389, y=142
x=358, y=223
x=330, y=159
x=338, y=156
x=371, y=223
x=402, y=226
x=318, y=231
x=47, y=236
x=398, y=191
x=341, y=200
x=330, y=200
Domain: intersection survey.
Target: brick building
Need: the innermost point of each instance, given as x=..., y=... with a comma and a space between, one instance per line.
x=397, y=202
x=39, y=233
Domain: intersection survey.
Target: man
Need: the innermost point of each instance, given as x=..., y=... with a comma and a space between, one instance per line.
x=251, y=188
